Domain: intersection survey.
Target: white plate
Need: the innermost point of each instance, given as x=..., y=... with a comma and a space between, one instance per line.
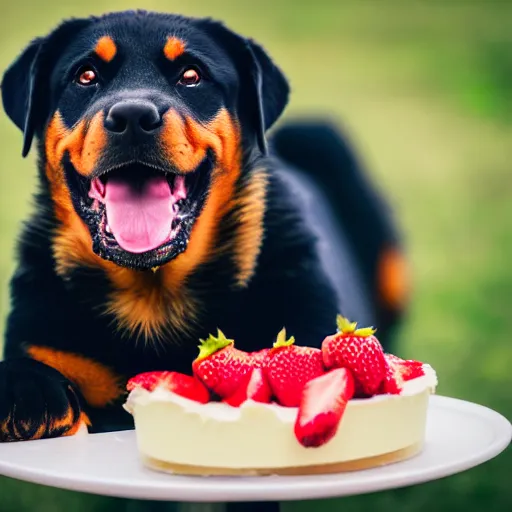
x=460, y=435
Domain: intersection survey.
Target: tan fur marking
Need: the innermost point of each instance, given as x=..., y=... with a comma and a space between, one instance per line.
x=98, y=384
x=144, y=305
x=84, y=142
x=187, y=142
x=250, y=231
x=65, y=422
x=69, y=422
x=174, y=47
x=105, y=48
x=22, y=428
x=72, y=244
x=393, y=282
x=40, y=431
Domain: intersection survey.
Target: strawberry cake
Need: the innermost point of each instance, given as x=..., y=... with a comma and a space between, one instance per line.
x=285, y=410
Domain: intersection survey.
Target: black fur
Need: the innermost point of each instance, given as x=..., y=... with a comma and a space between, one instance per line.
x=34, y=398
x=291, y=285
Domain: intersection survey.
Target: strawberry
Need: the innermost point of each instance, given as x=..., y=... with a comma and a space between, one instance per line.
x=399, y=371
x=256, y=388
x=323, y=403
x=358, y=350
x=409, y=369
x=220, y=366
x=289, y=368
x=179, y=383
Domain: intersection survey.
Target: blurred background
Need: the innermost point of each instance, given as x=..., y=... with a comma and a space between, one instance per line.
x=424, y=90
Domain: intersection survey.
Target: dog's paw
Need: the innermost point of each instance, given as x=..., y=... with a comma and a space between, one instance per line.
x=36, y=402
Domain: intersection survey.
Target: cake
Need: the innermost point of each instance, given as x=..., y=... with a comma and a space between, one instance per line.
x=286, y=410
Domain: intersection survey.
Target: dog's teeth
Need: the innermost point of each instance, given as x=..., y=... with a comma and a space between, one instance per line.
x=180, y=191
x=107, y=229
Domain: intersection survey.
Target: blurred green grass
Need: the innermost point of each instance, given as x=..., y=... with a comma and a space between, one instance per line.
x=424, y=90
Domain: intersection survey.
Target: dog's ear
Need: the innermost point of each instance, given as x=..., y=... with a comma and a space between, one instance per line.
x=25, y=84
x=264, y=89
x=271, y=91
x=18, y=91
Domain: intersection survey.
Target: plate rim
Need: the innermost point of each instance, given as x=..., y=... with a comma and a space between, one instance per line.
x=181, y=488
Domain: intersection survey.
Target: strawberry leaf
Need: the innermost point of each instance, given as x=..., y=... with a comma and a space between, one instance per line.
x=281, y=340
x=347, y=327
x=364, y=332
x=344, y=325
x=213, y=344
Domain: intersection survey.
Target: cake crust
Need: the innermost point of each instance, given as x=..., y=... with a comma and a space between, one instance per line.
x=319, y=469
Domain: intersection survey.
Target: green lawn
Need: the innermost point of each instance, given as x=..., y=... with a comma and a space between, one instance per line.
x=425, y=91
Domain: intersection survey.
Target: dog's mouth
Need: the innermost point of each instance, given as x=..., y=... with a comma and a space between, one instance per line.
x=141, y=210
x=140, y=216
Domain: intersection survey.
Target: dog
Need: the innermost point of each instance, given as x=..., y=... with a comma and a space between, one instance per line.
x=164, y=211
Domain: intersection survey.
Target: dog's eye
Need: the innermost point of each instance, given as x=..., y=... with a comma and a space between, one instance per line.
x=86, y=76
x=190, y=78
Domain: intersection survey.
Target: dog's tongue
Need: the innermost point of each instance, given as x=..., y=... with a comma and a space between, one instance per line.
x=140, y=219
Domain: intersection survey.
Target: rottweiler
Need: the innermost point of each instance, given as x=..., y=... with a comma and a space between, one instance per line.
x=163, y=212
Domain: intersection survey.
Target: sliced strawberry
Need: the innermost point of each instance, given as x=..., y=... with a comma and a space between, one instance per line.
x=289, y=368
x=360, y=351
x=256, y=388
x=323, y=403
x=409, y=369
x=147, y=380
x=220, y=366
x=411, y=372
x=179, y=383
x=399, y=371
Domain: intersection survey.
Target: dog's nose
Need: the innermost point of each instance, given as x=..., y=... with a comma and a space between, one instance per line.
x=138, y=117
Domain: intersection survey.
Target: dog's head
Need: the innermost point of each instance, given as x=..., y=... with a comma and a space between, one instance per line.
x=144, y=120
